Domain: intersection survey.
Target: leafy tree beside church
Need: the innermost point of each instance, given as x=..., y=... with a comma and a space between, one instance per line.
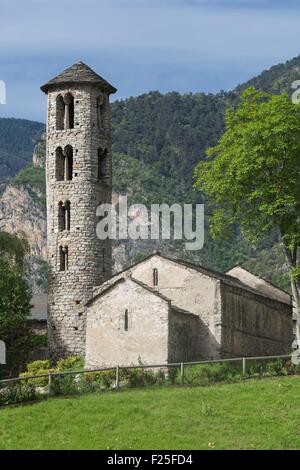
x=252, y=176
x=15, y=297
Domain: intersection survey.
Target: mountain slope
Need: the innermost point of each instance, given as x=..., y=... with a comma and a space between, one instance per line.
x=17, y=140
x=157, y=141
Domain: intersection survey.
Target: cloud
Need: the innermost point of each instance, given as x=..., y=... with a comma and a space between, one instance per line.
x=141, y=45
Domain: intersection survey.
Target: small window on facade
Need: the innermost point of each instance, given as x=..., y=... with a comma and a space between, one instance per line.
x=63, y=216
x=101, y=112
x=59, y=164
x=126, y=320
x=63, y=258
x=155, y=277
x=69, y=111
x=67, y=215
x=68, y=163
x=60, y=113
x=103, y=165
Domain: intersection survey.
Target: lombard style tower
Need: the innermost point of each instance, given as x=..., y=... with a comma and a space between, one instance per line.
x=78, y=179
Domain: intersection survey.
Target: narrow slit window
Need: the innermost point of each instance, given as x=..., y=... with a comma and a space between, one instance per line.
x=63, y=258
x=59, y=165
x=67, y=215
x=155, y=277
x=126, y=320
x=100, y=112
x=103, y=165
x=68, y=163
x=60, y=113
x=69, y=111
x=63, y=216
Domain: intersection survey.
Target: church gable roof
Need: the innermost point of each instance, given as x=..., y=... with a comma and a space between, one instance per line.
x=113, y=282
x=258, y=283
x=78, y=73
x=224, y=278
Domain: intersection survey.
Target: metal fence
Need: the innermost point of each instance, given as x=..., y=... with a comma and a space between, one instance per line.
x=184, y=373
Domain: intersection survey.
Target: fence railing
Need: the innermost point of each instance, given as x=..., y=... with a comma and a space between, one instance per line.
x=117, y=370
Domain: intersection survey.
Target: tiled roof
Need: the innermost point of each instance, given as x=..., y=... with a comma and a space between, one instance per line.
x=79, y=73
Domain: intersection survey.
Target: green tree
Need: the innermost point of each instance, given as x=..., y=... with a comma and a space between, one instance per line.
x=252, y=176
x=14, y=303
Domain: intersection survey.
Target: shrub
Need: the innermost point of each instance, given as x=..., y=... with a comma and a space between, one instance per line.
x=38, y=368
x=140, y=377
x=276, y=368
x=70, y=363
x=103, y=378
x=64, y=385
x=17, y=393
x=205, y=374
x=173, y=375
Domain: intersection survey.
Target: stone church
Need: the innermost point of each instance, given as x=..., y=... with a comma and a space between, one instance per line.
x=157, y=311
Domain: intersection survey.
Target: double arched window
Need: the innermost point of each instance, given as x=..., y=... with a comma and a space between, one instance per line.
x=64, y=163
x=65, y=112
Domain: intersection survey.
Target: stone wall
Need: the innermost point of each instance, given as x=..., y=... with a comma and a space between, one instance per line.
x=145, y=341
x=89, y=259
x=253, y=325
x=183, y=336
x=191, y=291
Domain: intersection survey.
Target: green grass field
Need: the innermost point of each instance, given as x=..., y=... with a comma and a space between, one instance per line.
x=261, y=414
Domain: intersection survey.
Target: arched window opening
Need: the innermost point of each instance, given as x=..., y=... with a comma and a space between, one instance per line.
x=60, y=113
x=101, y=112
x=63, y=216
x=103, y=166
x=65, y=112
x=67, y=215
x=68, y=163
x=126, y=320
x=59, y=164
x=63, y=258
x=69, y=111
x=155, y=277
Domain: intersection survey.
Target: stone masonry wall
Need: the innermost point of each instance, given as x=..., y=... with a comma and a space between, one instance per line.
x=183, y=336
x=191, y=291
x=253, y=325
x=89, y=259
x=146, y=340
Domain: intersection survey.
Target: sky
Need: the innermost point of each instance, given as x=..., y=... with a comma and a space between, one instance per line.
x=141, y=45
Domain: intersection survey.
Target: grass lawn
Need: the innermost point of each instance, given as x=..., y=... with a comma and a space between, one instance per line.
x=250, y=415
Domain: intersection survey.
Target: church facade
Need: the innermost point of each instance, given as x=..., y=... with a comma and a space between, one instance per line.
x=159, y=310
x=163, y=310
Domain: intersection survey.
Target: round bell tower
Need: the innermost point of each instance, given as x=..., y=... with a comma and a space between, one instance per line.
x=78, y=179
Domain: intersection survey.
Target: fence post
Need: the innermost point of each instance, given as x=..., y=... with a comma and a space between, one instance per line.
x=117, y=377
x=49, y=384
x=244, y=366
x=182, y=372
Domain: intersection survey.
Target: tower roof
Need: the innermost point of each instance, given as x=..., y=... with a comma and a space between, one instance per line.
x=78, y=73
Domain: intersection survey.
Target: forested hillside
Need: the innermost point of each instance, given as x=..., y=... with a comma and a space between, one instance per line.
x=157, y=141
x=17, y=141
